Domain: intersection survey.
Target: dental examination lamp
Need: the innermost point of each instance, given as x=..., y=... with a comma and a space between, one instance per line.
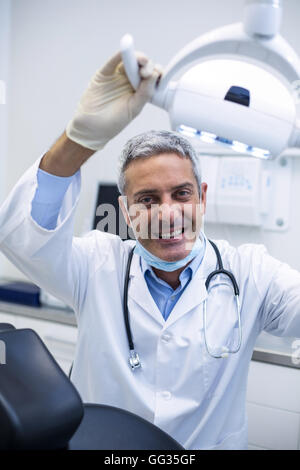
x=241, y=91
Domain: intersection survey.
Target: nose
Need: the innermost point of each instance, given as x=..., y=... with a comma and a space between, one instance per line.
x=170, y=213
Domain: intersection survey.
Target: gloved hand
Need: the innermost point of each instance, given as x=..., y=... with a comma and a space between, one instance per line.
x=110, y=103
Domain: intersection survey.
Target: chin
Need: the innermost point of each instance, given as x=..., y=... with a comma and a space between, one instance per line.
x=175, y=256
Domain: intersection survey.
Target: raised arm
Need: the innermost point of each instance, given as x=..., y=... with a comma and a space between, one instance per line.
x=49, y=255
x=106, y=107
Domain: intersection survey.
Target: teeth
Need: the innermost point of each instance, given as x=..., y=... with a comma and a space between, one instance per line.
x=171, y=235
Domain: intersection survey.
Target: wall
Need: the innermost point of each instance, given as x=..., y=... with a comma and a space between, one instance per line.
x=56, y=45
x=5, y=17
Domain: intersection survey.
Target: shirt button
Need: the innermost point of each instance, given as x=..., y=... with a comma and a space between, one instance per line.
x=166, y=395
x=166, y=338
x=173, y=297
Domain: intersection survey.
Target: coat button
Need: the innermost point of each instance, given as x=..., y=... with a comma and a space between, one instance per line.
x=166, y=395
x=166, y=338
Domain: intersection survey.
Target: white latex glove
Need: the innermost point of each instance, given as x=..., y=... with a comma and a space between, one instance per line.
x=110, y=103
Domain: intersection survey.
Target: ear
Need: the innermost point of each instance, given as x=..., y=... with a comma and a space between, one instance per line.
x=203, y=197
x=123, y=206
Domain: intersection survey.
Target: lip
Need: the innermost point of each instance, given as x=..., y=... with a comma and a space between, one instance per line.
x=172, y=231
x=171, y=241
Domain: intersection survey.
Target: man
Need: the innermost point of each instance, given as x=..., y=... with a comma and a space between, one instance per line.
x=181, y=387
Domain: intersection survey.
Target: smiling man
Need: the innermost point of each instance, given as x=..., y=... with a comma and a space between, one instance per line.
x=185, y=365
x=164, y=201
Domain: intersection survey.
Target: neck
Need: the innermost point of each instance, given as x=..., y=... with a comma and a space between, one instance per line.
x=172, y=277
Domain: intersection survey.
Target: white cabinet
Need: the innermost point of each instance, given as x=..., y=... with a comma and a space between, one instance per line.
x=60, y=339
x=273, y=406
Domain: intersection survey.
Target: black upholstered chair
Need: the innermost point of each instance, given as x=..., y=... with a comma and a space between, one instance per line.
x=41, y=409
x=6, y=326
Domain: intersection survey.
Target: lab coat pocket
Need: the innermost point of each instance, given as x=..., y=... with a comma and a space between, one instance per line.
x=237, y=440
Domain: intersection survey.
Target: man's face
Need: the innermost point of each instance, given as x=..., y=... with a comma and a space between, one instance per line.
x=164, y=204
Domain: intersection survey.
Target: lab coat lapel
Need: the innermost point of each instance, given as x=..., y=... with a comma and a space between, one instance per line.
x=195, y=293
x=138, y=291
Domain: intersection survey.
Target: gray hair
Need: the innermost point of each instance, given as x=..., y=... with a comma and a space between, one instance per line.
x=153, y=143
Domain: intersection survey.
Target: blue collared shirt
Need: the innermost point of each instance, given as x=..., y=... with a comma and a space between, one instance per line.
x=48, y=198
x=46, y=205
x=163, y=294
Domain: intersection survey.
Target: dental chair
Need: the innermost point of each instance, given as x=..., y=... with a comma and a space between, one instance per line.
x=41, y=409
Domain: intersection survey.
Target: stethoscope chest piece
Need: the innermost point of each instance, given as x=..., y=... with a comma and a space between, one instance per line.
x=134, y=360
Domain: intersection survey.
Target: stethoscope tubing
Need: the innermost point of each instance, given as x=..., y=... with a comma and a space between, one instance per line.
x=134, y=358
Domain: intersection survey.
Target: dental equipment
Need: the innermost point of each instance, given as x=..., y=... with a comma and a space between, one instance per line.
x=240, y=93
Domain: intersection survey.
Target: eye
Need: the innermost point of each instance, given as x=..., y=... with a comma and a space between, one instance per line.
x=146, y=200
x=183, y=193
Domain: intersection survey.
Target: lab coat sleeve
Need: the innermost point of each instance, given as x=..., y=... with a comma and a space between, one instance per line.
x=52, y=259
x=279, y=287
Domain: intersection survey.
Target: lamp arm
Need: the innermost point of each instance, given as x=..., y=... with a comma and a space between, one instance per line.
x=230, y=41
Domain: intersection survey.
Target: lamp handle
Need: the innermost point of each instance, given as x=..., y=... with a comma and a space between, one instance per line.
x=129, y=60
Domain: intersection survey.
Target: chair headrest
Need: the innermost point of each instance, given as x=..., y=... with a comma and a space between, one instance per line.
x=39, y=407
x=6, y=326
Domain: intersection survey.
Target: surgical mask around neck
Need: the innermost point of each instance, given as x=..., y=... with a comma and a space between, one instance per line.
x=169, y=266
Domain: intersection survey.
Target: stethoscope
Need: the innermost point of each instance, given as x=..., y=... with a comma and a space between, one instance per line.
x=134, y=359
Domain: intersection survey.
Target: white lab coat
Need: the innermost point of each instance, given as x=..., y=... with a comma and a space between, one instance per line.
x=197, y=399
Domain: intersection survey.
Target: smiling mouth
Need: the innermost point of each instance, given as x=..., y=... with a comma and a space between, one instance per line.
x=171, y=235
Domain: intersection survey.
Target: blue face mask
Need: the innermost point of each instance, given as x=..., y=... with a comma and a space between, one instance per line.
x=199, y=246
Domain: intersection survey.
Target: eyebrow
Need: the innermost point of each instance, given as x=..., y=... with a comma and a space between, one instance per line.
x=155, y=191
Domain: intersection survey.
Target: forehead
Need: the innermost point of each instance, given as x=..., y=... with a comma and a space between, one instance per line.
x=159, y=172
